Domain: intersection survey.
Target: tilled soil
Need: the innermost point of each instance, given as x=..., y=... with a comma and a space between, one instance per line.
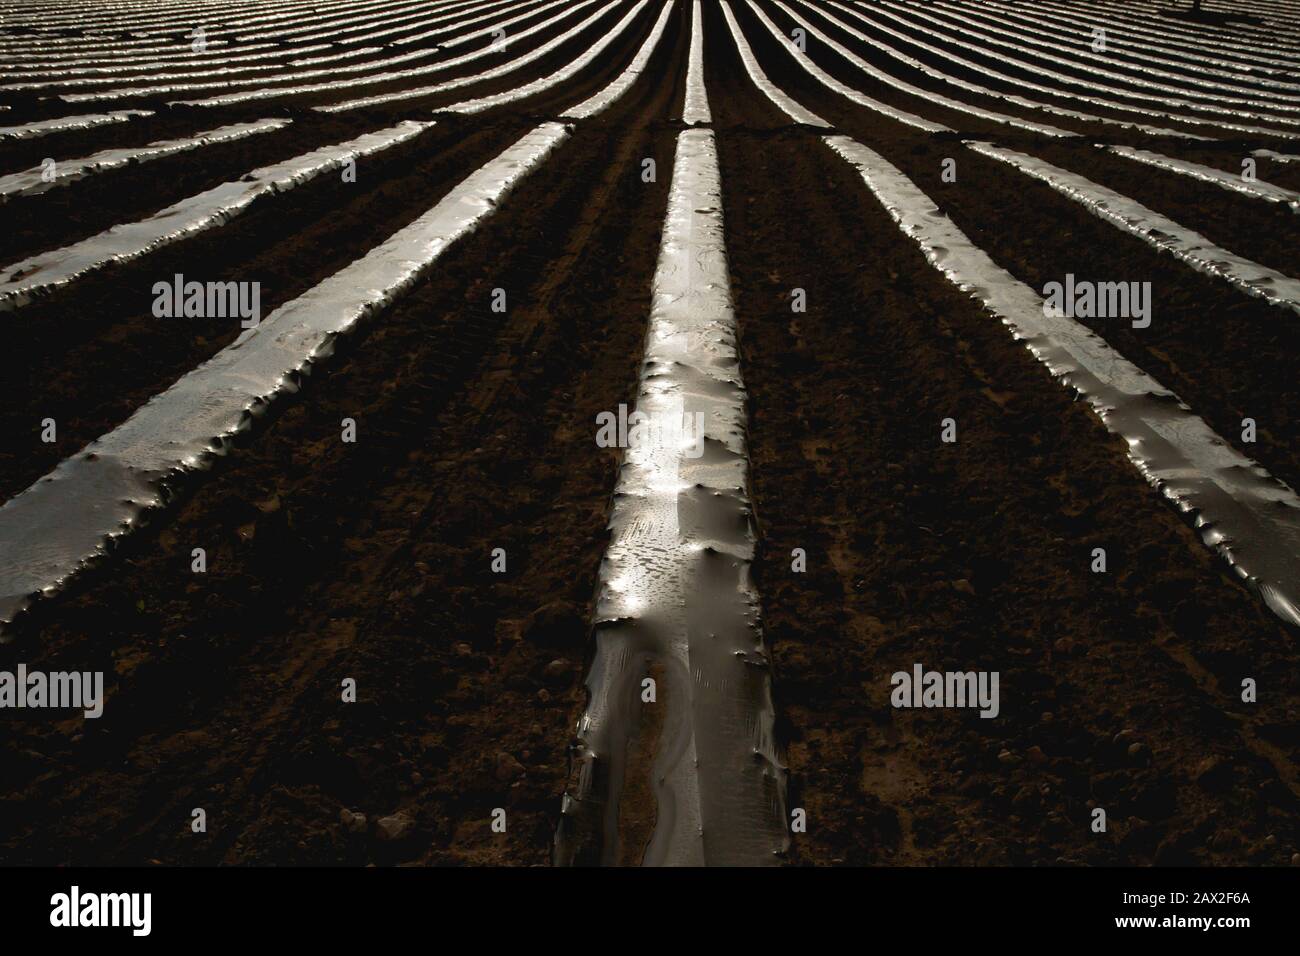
x=1076, y=82
x=95, y=352
x=372, y=561
x=976, y=557
x=1224, y=353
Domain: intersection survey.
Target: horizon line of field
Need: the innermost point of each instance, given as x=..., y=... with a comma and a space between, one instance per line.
x=200, y=65
x=1264, y=191
x=464, y=107
x=1220, y=91
x=1169, y=30
x=498, y=41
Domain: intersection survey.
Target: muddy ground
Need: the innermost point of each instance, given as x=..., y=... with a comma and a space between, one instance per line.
x=371, y=561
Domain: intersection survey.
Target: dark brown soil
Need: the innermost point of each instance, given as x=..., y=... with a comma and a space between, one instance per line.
x=1224, y=353
x=992, y=58
x=372, y=561
x=94, y=352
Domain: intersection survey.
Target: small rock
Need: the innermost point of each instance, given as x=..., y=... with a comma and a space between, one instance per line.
x=556, y=672
x=1036, y=755
x=1064, y=646
x=1138, y=750
x=463, y=650
x=508, y=768
x=394, y=828
x=352, y=822
x=1007, y=757
x=962, y=586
